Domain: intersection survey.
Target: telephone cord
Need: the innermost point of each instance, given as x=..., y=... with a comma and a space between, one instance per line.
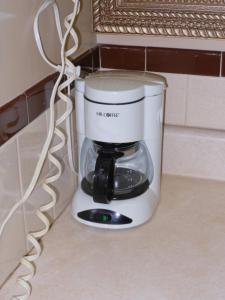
x=68, y=69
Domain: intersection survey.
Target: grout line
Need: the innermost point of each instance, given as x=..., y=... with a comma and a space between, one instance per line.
x=22, y=191
x=47, y=129
x=100, y=57
x=145, y=59
x=27, y=109
x=186, y=98
x=221, y=63
x=196, y=131
x=92, y=60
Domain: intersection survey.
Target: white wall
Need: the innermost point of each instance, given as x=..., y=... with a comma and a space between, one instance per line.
x=21, y=64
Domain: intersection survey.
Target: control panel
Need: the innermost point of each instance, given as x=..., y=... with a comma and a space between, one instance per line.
x=104, y=216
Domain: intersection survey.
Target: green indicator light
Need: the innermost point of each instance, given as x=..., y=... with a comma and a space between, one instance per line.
x=104, y=218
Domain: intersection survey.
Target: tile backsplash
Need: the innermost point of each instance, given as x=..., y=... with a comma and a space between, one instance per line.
x=12, y=242
x=24, y=124
x=195, y=106
x=25, y=108
x=167, y=60
x=24, y=119
x=13, y=117
x=194, y=138
x=194, y=152
x=182, y=61
x=206, y=102
x=195, y=101
x=129, y=58
x=18, y=160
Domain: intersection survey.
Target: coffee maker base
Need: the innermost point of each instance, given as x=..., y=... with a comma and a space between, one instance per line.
x=118, y=214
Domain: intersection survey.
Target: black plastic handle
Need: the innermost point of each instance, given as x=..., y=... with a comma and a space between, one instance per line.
x=103, y=185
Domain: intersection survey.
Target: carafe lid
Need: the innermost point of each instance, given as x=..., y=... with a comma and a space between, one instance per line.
x=125, y=148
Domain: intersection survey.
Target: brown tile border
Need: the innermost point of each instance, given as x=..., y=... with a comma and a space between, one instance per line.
x=89, y=60
x=122, y=57
x=85, y=60
x=168, y=60
x=16, y=114
x=96, y=59
x=38, y=96
x=181, y=61
x=22, y=110
x=13, y=117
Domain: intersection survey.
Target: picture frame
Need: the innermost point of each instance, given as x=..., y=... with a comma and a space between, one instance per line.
x=180, y=18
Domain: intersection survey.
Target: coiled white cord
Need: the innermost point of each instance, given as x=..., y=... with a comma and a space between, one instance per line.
x=70, y=71
x=66, y=68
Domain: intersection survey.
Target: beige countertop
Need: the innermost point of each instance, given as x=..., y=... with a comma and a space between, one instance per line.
x=178, y=255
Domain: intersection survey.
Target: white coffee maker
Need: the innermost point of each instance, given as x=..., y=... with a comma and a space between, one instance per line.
x=119, y=120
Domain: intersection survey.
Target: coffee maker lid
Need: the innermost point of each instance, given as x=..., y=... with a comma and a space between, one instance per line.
x=111, y=90
x=122, y=87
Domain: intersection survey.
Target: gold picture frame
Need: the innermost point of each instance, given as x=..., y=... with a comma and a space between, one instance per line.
x=182, y=18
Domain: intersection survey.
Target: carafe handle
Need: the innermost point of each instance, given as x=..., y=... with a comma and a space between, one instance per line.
x=103, y=185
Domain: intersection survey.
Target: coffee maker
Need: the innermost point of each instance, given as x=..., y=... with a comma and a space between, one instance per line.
x=119, y=122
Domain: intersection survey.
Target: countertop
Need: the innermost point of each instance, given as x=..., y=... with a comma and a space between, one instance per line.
x=178, y=255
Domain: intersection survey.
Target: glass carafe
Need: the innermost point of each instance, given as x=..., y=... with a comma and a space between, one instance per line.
x=115, y=171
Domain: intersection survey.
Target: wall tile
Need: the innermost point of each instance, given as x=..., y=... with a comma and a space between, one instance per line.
x=183, y=61
x=60, y=108
x=206, y=102
x=38, y=198
x=13, y=246
x=12, y=242
x=175, y=109
x=96, y=59
x=194, y=152
x=123, y=57
x=30, y=142
x=64, y=187
x=13, y=117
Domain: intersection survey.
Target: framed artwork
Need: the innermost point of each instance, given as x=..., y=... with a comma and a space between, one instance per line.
x=184, y=18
